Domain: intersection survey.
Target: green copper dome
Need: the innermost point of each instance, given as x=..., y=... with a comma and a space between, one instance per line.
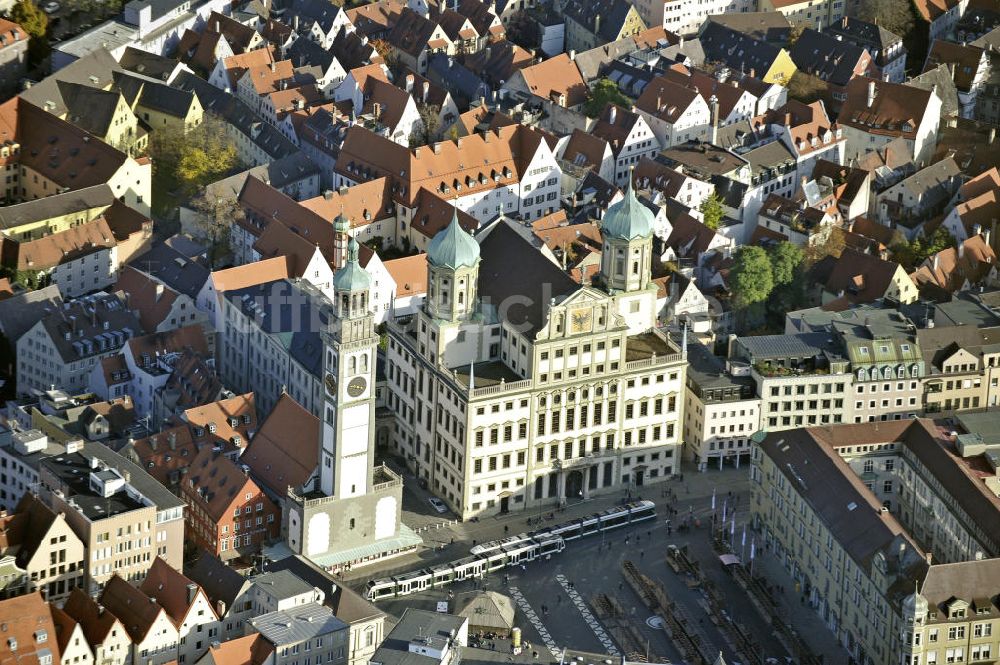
x=341, y=224
x=453, y=248
x=627, y=219
x=352, y=277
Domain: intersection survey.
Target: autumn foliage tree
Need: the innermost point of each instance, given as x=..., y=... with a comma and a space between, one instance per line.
x=36, y=23
x=196, y=157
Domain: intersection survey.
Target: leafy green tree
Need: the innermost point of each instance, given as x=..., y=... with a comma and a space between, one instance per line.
x=36, y=23
x=912, y=254
x=604, y=92
x=751, y=278
x=785, y=259
x=711, y=211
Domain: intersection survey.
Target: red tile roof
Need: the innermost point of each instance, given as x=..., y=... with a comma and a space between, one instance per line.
x=285, y=451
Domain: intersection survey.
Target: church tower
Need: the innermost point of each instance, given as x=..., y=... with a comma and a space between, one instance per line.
x=347, y=447
x=453, y=267
x=627, y=255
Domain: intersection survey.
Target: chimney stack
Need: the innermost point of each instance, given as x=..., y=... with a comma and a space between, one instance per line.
x=409, y=83
x=427, y=90
x=871, y=93
x=613, y=114
x=713, y=103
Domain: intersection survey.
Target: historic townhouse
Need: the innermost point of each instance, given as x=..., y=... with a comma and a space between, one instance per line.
x=514, y=386
x=510, y=170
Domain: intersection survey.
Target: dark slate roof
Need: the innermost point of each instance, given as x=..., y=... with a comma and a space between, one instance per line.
x=871, y=36
x=940, y=81
x=290, y=169
x=321, y=11
x=737, y=50
x=826, y=57
x=463, y=85
x=293, y=312
x=305, y=52
x=159, y=96
x=838, y=497
x=173, y=269
x=237, y=114
x=19, y=312
x=147, y=64
x=88, y=107
x=771, y=27
x=512, y=271
x=218, y=580
x=347, y=605
x=612, y=12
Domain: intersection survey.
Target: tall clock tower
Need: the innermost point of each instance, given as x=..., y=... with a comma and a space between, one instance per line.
x=351, y=514
x=347, y=445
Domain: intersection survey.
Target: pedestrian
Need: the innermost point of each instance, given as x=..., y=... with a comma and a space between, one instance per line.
x=505, y=529
x=621, y=585
x=649, y=534
x=524, y=568
x=642, y=553
x=626, y=542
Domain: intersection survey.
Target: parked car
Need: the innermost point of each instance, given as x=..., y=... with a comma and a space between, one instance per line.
x=437, y=504
x=51, y=7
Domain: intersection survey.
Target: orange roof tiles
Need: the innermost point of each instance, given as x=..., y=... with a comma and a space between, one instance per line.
x=169, y=588
x=229, y=418
x=555, y=77
x=55, y=249
x=214, y=483
x=237, y=65
x=132, y=607
x=284, y=452
x=361, y=204
x=250, y=274
x=247, y=650
x=26, y=619
x=409, y=273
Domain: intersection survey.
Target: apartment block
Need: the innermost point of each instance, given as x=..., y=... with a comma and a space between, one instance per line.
x=721, y=411
x=124, y=517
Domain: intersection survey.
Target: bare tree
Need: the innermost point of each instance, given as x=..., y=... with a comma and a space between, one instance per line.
x=893, y=15
x=213, y=221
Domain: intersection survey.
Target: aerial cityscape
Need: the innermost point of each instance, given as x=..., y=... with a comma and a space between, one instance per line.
x=486, y=332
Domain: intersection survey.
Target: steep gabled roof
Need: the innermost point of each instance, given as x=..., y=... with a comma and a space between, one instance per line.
x=284, y=452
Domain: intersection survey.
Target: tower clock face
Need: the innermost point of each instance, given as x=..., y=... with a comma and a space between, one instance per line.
x=331, y=385
x=357, y=386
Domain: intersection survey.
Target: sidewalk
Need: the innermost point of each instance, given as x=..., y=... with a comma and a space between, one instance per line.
x=792, y=610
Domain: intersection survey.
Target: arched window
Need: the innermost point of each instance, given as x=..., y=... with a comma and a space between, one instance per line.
x=862, y=375
x=364, y=362
x=352, y=522
x=352, y=365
